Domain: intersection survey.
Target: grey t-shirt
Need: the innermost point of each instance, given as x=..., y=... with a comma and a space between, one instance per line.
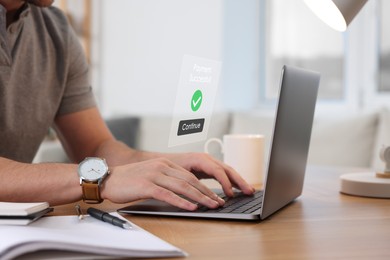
x=43, y=74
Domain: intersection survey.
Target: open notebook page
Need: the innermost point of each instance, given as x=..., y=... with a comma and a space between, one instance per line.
x=88, y=235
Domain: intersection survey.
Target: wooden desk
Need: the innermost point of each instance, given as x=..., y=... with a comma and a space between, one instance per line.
x=322, y=223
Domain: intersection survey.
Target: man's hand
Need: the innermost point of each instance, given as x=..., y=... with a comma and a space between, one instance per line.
x=159, y=179
x=205, y=166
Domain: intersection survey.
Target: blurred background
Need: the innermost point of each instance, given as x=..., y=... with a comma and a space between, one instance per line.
x=135, y=48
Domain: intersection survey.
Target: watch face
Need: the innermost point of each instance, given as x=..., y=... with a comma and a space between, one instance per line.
x=92, y=169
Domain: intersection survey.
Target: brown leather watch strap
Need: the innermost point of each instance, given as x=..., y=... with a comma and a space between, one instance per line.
x=91, y=193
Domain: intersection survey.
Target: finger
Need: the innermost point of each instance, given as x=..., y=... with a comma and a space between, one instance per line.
x=160, y=193
x=179, y=172
x=215, y=170
x=182, y=187
x=184, y=182
x=234, y=178
x=238, y=181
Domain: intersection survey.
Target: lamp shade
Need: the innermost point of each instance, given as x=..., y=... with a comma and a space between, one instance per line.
x=338, y=14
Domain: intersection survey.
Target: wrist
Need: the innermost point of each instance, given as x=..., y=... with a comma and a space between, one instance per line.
x=106, y=185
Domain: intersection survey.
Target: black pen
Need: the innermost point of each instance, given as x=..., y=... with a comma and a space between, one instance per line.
x=106, y=217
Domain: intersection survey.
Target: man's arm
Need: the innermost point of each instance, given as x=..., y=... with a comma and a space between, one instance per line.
x=51, y=182
x=87, y=132
x=133, y=175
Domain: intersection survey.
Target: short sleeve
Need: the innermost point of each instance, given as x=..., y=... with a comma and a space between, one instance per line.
x=78, y=93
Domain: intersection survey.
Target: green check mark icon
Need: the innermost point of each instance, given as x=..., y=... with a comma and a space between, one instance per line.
x=196, y=100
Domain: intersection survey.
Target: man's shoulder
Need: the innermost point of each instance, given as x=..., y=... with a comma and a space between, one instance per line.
x=51, y=12
x=54, y=22
x=50, y=16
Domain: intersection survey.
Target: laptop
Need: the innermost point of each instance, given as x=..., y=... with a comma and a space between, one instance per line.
x=287, y=158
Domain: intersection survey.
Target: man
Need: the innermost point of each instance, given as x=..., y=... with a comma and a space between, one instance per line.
x=44, y=83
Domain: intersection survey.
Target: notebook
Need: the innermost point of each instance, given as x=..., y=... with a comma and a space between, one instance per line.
x=19, y=213
x=287, y=160
x=68, y=237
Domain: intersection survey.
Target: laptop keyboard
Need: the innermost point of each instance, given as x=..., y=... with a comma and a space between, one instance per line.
x=240, y=203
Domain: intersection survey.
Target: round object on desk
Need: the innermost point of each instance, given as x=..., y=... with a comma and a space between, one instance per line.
x=365, y=184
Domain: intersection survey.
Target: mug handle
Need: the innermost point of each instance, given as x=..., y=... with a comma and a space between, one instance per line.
x=211, y=140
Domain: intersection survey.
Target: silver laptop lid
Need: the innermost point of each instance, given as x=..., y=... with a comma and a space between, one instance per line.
x=291, y=138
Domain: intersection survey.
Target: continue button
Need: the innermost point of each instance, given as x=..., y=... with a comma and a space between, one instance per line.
x=190, y=126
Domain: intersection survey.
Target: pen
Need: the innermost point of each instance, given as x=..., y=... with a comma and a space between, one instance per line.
x=104, y=216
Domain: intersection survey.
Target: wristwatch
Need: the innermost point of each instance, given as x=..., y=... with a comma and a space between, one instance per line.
x=92, y=172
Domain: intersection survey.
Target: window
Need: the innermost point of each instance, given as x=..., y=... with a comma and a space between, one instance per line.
x=295, y=36
x=354, y=66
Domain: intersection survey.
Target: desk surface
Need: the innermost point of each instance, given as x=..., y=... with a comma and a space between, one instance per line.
x=322, y=223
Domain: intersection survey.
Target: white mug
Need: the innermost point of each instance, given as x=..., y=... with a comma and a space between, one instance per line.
x=243, y=152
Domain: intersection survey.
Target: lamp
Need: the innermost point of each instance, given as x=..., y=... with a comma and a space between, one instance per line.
x=338, y=14
x=369, y=184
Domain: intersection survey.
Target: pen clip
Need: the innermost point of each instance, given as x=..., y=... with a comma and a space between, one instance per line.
x=79, y=212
